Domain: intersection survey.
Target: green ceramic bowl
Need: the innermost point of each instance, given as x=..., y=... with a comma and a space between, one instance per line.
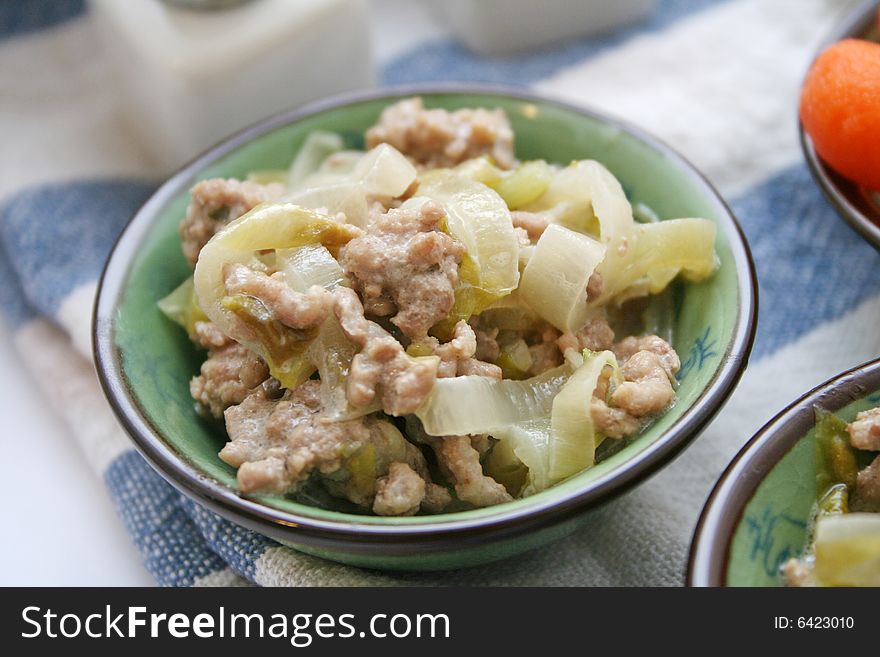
x=757, y=515
x=145, y=362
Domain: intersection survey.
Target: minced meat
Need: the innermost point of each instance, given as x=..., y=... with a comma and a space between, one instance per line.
x=534, y=224
x=488, y=349
x=460, y=463
x=647, y=386
x=216, y=202
x=291, y=308
x=209, y=336
x=405, y=267
x=864, y=432
x=439, y=138
x=595, y=335
x=227, y=377
x=400, y=492
x=628, y=347
x=544, y=351
x=867, y=497
x=457, y=355
x=277, y=444
x=648, y=365
x=381, y=366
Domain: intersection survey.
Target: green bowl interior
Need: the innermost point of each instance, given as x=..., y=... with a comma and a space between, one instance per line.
x=158, y=360
x=774, y=523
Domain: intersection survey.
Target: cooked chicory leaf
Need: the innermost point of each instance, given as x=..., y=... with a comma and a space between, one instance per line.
x=568, y=199
x=656, y=254
x=336, y=168
x=836, y=466
x=309, y=265
x=346, y=196
x=554, y=282
x=472, y=405
x=514, y=359
x=510, y=313
x=331, y=352
x=275, y=226
x=525, y=184
x=283, y=348
x=573, y=436
x=316, y=148
x=847, y=550
x=480, y=220
x=182, y=307
x=643, y=258
x=639, y=258
x=546, y=418
x=523, y=445
x=382, y=173
x=528, y=182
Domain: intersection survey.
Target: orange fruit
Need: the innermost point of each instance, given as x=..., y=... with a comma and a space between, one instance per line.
x=840, y=109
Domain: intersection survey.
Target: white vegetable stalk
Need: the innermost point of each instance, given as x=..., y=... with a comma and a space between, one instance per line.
x=349, y=185
x=480, y=220
x=573, y=436
x=316, y=148
x=276, y=226
x=309, y=265
x=478, y=404
x=384, y=172
x=847, y=550
x=546, y=421
x=345, y=196
x=331, y=352
x=554, y=282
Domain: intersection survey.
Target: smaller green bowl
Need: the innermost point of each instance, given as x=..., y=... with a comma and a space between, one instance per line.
x=859, y=207
x=145, y=362
x=757, y=515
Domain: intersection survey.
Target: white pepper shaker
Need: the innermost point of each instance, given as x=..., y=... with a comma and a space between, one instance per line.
x=195, y=71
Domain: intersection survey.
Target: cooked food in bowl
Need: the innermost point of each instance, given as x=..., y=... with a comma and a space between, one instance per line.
x=844, y=548
x=429, y=325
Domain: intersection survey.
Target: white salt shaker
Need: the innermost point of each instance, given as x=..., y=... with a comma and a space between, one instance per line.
x=194, y=71
x=500, y=27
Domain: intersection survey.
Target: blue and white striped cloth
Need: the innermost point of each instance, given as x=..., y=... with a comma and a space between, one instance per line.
x=718, y=79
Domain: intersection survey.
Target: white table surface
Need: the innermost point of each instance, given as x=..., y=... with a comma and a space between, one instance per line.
x=62, y=527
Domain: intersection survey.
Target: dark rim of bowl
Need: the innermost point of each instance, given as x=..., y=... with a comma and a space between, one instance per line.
x=837, y=189
x=367, y=539
x=710, y=549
